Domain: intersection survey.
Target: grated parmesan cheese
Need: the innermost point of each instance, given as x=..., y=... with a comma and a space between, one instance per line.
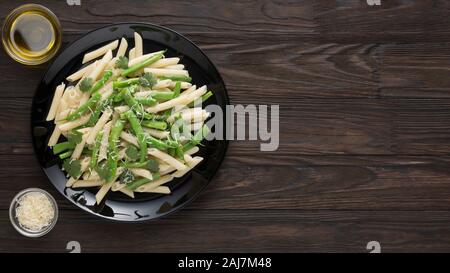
x=35, y=211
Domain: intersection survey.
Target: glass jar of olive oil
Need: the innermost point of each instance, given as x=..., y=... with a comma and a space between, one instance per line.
x=31, y=34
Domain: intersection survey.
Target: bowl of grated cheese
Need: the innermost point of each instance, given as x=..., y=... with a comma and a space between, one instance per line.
x=33, y=212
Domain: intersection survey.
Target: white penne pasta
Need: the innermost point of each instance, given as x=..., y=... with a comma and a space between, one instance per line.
x=117, y=186
x=131, y=55
x=100, y=67
x=166, y=72
x=80, y=73
x=137, y=45
x=142, y=172
x=98, y=126
x=142, y=94
x=192, y=163
x=79, y=147
x=156, y=133
x=107, y=91
x=189, y=90
x=111, y=64
x=87, y=183
x=70, y=182
x=127, y=192
x=142, y=58
x=154, y=184
x=100, y=51
x=183, y=85
x=121, y=109
x=181, y=100
x=192, y=150
x=167, y=158
x=194, y=126
x=162, y=84
x=104, y=144
x=122, y=153
x=122, y=48
x=106, y=187
x=91, y=175
x=75, y=123
x=54, y=137
x=175, y=66
x=160, y=189
x=55, y=102
x=165, y=62
x=188, y=114
x=166, y=169
x=129, y=138
x=102, y=192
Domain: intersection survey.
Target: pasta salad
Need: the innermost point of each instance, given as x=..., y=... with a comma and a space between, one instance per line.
x=128, y=123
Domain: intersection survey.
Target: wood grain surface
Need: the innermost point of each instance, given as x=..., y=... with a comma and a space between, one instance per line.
x=364, y=155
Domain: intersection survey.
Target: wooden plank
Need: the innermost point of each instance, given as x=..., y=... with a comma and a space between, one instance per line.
x=244, y=231
x=257, y=181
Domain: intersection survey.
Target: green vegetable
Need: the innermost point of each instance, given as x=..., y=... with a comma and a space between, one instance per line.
x=162, y=96
x=134, y=104
x=125, y=83
x=126, y=177
x=142, y=64
x=94, y=155
x=122, y=62
x=177, y=89
x=139, y=132
x=146, y=101
x=72, y=167
x=177, y=78
x=63, y=146
x=157, y=143
x=102, y=170
x=86, y=84
x=160, y=125
x=66, y=154
x=152, y=165
x=197, y=138
x=137, y=183
x=75, y=137
x=132, y=153
x=102, y=81
x=83, y=108
x=147, y=80
x=113, y=155
x=99, y=108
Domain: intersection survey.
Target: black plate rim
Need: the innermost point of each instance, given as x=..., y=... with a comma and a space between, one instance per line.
x=162, y=215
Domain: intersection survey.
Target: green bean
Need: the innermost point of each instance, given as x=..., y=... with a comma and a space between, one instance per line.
x=63, y=146
x=102, y=81
x=158, y=144
x=83, y=108
x=176, y=78
x=101, y=105
x=125, y=83
x=163, y=96
x=139, y=132
x=142, y=64
x=150, y=101
x=94, y=156
x=66, y=154
x=137, y=183
x=177, y=89
x=160, y=125
x=112, y=149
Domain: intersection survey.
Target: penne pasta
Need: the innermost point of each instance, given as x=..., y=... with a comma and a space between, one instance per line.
x=166, y=72
x=80, y=73
x=142, y=173
x=54, y=137
x=167, y=158
x=160, y=189
x=175, y=66
x=79, y=148
x=165, y=62
x=100, y=51
x=137, y=45
x=142, y=58
x=104, y=142
x=55, y=102
x=157, y=133
x=122, y=48
x=129, y=138
x=73, y=124
x=87, y=183
x=181, y=100
x=192, y=163
x=100, y=66
x=131, y=54
x=98, y=126
x=154, y=184
x=127, y=191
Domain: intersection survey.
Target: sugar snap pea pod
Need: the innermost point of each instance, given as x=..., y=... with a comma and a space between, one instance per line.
x=85, y=107
x=134, y=104
x=160, y=125
x=125, y=83
x=63, y=146
x=101, y=105
x=139, y=132
x=162, y=96
x=113, y=153
x=66, y=154
x=150, y=101
x=142, y=64
x=176, y=78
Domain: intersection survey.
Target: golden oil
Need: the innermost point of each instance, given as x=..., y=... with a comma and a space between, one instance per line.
x=31, y=34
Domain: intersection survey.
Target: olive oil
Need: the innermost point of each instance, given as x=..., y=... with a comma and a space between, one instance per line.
x=31, y=34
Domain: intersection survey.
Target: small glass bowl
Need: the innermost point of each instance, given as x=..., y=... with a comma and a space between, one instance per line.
x=15, y=222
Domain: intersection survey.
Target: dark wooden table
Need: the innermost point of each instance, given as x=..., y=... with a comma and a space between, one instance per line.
x=364, y=95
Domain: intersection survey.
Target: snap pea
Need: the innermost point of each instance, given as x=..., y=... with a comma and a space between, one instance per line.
x=139, y=132
x=142, y=64
x=86, y=106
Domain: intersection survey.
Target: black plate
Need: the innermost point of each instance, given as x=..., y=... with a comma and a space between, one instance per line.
x=116, y=206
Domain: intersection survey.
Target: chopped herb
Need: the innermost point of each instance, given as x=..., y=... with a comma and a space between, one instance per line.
x=132, y=153
x=72, y=167
x=86, y=84
x=102, y=170
x=75, y=137
x=126, y=177
x=147, y=80
x=152, y=165
x=122, y=62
